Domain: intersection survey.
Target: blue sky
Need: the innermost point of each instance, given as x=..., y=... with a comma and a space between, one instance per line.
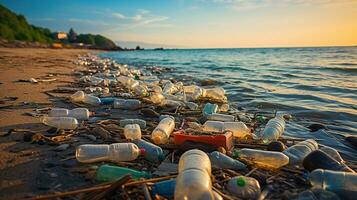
x=201, y=23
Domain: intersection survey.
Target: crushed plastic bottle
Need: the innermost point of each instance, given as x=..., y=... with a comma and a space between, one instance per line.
x=170, y=88
x=317, y=194
x=299, y=151
x=80, y=96
x=239, y=129
x=140, y=122
x=216, y=93
x=262, y=159
x=61, y=122
x=341, y=183
x=127, y=104
x=209, y=109
x=78, y=113
x=164, y=188
x=333, y=153
x=321, y=160
x=220, y=117
x=273, y=129
x=156, y=98
x=161, y=133
x=194, y=181
x=132, y=131
x=153, y=153
x=244, y=187
x=116, y=152
x=222, y=161
x=109, y=173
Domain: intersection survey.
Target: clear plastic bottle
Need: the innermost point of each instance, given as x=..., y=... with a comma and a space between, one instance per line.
x=209, y=109
x=161, y=133
x=263, y=159
x=156, y=98
x=91, y=100
x=299, y=151
x=61, y=122
x=273, y=129
x=222, y=161
x=128, y=104
x=140, y=122
x=220, y=117
x=244, y=187
x=128, y=82
x=191, y=105
x=141, y=90
x=333, y=153
x=170, y=88
x=343, y=184
x=194, y=181
x=153, y=153
x=116, y=152
x=108, y=173
x=317, y=194
x=77, y=96
x=132, y=131
x=78, y=113
x=172, y=103
x=216, y=93
x=239, y=129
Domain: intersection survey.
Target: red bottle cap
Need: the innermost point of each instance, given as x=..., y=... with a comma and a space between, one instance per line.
x=142, y=151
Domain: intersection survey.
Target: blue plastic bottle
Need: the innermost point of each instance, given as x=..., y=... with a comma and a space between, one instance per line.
x=209, y=109
x=107, y=100
x=164, y=188
x=153, y=153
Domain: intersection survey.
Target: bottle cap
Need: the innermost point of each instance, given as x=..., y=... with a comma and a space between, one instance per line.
x=236, y=153
x=142, y=151
x=241, y=181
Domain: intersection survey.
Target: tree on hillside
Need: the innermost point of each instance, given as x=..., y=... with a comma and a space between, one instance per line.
x=72, y=36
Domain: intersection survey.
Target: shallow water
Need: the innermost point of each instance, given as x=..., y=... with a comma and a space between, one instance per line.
x=312, y=84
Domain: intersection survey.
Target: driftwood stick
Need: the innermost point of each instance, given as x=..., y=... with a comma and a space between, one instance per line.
x=112, y=188
x=149, y=180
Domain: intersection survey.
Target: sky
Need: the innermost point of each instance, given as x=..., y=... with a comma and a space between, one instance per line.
x=201, y=23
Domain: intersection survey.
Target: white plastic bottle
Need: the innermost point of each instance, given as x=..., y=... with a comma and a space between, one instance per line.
x=132, y=131
x=128, y=104
x=220, y=117
x=273, y=129
x=223, y=161
x=299, y=151
x=161, y=133
x=61, y=122
x=342, y=183
x=78, y=113
x=116, y=152
x=91, y=100
x=193, y=181
x=263, y=159
x=239, y=129
x=140, y=122
x=244, y=187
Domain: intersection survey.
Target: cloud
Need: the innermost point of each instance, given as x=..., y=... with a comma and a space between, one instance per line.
x=89, y=22
x=119, y=15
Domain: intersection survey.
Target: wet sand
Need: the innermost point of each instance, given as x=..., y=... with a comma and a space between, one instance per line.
x=27, y=169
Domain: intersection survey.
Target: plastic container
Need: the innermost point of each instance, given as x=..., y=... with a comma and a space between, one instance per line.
x=108, y=173
x=299, y=151
x=91, y=100
x=209, y=109
x=317, y=194
x=191, y=105
x=156, y=98
x=222, y=161
x=132, y=131
x=321, y=160
x=61, y=122
x=77, y=96
x=343, y=184
x=172, y=103
x=128, y=82
x=263, y=159
x=116, y=152
x=78, y=113
x=127, y=104
x=153, y=153
x=170, y=88
x=140, y=122
x=220, y=117
x=193, y=180
x=244, y=187
x=108, y=100
x=239, y=129
x=273, y=129
x=141, y=90
x=217, y=140
x=216, y=93
x=161, y=133
x=164, y=188
x=333, y=153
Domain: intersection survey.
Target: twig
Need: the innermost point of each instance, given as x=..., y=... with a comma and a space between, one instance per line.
x=112, y=188
x=223, y=195
x=251, y=171
x=149, y=180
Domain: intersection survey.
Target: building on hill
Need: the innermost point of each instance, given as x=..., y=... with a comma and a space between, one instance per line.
x=61, y=35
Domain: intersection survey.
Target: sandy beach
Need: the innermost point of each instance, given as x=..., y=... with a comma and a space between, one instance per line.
x=22, y=164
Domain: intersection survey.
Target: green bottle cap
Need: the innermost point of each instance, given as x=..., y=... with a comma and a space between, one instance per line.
x=241, y=181
x=236, y=153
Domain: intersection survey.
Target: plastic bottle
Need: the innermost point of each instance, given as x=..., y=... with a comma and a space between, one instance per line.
x=91, y=100
x=321, y=160
x=141, y=90
x=244, y=187
x=209, y=109
x=116, y=152
x=128, y=104
x=161, y=133
x=194, y=181
x=78, y=113
x=191, y=105
x=299, y=151
x=273, y=129
x=128, y=82
x=156, y=98
x=140, y=122
x=107, y=100
x=220, y=117
x=61, y=122
x=153, y=153
x=217, y=93
x=77, y=96
x=239, y=129
x=172, y=103
x=333, y=153
x=108, y=173
x=223, y=161
x=343, y=184
x=171, y=88
x=164, y=188
x=132, y=131
x=263, y=159
x=317, y=194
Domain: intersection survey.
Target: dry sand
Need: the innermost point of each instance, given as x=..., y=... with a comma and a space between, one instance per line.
x=27, y=169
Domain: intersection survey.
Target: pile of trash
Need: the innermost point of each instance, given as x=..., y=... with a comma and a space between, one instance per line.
x=161, y=139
